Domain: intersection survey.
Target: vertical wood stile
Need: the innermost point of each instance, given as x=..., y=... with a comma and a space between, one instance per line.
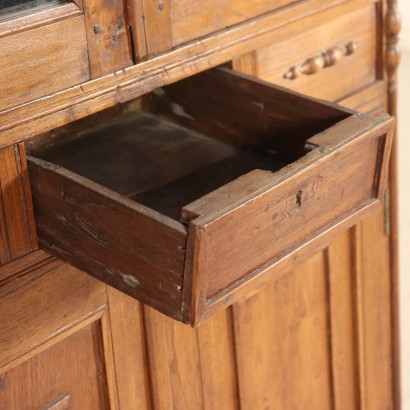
x=130, y=351
x=17, y=226
x=108, y=37
x=393, y=54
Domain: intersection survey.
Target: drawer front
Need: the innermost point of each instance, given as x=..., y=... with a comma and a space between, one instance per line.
x=178, y=241
x=42, y=60
x=330, y=61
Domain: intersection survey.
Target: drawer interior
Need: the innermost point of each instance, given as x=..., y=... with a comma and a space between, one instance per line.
x=181, y=142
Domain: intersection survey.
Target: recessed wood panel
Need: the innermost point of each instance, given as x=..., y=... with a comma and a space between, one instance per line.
x=42, y=61
x=282, y=343
x=67, y=375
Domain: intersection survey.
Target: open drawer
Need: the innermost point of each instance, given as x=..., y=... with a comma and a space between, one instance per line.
x=200, y=191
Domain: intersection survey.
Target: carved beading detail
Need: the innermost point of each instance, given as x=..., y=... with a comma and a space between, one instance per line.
x=393, y=53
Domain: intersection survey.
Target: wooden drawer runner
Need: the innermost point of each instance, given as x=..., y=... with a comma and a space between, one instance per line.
x=330, y=61
x=205, y=187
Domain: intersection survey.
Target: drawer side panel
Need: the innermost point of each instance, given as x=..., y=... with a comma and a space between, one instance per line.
x=108, y=238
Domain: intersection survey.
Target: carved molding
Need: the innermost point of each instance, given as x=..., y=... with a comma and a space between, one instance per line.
x=393, y=53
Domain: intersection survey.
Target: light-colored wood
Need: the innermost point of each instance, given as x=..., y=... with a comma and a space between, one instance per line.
x=48, y=51
x=130, y=351
x=18, y=234
x=373, y=293
x=339, y=262
x=216, y=346
x=208, y=16
x=281, y=337
x=108, y=37
x=174, y=363
x=157, y=24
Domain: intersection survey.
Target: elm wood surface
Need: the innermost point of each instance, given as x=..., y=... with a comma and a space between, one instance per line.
x=18, y=234
x=48, y=51
x=77, y=102
x=108, y=37
x=352, y=72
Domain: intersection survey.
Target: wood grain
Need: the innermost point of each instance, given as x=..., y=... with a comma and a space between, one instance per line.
x=130, y=351
x=264, y=116
x=208, y=16
x=157, y=25
x=281, y=336
x=66, y=375
x=339, y=261
x=174, y=363
x=99, y=231
x=373, y=293
x=48, y=52
x=108, y=37
x=78, y=102
x=17, y=228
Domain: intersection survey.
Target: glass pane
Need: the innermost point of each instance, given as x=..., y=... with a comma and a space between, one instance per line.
x=9, y=8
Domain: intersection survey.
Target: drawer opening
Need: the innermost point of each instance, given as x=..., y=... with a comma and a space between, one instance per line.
x=177, y=144
x=187, y=197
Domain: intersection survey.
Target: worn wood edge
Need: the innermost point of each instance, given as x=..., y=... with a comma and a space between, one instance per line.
x=226, y=71
x=253, y=282
x=39, y=18
x=100, y=189
x=106, y=346
x=46, y=113
x=52, y=339
x=194, y=285
x=28, y=200
x=351, y=129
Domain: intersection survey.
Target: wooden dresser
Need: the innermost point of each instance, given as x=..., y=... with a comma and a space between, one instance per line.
x=289, y=279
